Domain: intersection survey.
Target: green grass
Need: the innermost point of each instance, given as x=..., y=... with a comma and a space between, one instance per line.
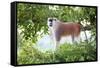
x=65, y=53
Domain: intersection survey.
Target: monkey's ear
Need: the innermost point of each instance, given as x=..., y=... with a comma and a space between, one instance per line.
x=55, y=19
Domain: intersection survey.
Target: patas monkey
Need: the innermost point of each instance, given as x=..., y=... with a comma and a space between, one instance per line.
x=60, y=29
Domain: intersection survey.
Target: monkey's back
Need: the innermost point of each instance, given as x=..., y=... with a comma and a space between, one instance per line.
x=65, y=29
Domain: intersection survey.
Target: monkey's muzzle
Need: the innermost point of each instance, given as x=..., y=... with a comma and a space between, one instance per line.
x=50, y=24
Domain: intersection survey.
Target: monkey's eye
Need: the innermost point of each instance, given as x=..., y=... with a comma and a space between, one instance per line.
x=50, y=20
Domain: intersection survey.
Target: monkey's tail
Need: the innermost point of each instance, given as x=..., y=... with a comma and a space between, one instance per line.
x=82, y=28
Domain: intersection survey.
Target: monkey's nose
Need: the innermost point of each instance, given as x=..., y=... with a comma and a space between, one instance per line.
x=50, y=25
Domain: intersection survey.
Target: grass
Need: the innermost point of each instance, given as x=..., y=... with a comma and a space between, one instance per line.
x=65, y=53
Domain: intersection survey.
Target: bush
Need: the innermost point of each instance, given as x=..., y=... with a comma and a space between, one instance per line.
x=65, y=53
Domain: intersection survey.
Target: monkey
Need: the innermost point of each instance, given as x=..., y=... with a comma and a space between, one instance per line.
x=59, y=29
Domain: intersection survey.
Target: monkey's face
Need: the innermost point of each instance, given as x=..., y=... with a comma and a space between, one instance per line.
x=51, y=22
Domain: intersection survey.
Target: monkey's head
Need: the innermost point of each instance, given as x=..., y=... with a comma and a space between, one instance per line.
x=51, y=21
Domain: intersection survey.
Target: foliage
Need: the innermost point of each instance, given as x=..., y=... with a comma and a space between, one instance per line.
x=32, y=25
x=65, y=53
x=32, y=18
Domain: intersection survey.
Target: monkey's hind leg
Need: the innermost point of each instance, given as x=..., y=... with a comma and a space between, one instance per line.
x=73, y=39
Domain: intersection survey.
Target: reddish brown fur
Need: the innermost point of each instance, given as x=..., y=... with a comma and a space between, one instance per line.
x=70, y=29
x=64, y=29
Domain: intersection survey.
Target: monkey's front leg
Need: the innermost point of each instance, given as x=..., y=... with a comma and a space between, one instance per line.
x=56, y=43
x=51, y=34
x=56, y=39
